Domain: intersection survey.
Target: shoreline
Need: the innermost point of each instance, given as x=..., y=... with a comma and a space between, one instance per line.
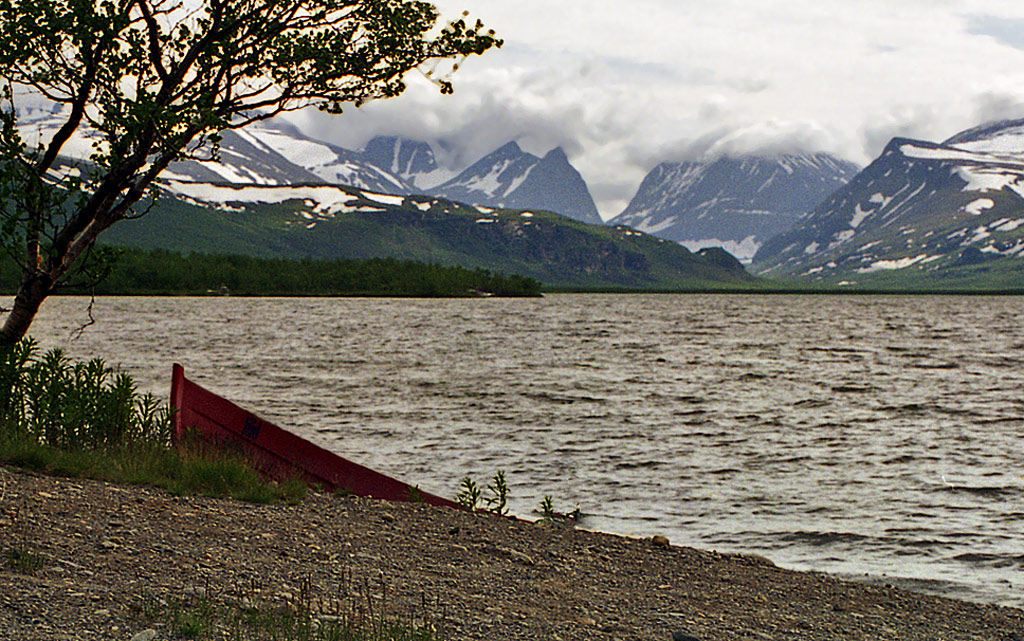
x=107, y=547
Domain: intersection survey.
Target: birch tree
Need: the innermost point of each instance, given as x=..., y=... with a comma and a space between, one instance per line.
x=155, y=81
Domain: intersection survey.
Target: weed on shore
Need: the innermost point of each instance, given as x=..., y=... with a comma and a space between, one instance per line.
x=355, y=612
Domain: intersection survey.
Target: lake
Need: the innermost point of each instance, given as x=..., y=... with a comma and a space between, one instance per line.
x=874, y=437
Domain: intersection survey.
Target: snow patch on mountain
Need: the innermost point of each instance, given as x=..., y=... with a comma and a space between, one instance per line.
x=975, y=208
x=901, y=263
x=743, y=250
x=325, y=200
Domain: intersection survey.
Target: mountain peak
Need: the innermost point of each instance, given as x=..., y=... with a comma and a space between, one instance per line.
x=510, y=148
x=986, y=131
x=556, y=154
x=913, y=212
x=510, y=177
x=735, y=202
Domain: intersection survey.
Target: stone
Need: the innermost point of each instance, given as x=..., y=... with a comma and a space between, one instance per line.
x=145, y=635
x=679, y=635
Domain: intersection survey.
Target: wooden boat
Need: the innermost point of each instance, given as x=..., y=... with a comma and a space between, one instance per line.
x=276, y=451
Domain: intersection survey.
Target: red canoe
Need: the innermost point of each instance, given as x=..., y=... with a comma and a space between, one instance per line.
x=276, y=451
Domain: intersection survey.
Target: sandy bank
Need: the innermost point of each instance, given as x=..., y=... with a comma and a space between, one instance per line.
x=106, y=548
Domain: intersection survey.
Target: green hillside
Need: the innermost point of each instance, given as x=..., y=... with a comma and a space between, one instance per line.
x=558, y=251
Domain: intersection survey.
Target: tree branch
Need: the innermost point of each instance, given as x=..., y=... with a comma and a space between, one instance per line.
x=153, y=30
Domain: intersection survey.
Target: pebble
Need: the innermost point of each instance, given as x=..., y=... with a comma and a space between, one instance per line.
x=679, y=635
x=145, y=635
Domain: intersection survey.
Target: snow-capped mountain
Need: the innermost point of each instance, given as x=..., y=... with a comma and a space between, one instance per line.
x=734, y=203
x=919, y=205
x=412, y=161
x=277, y=153
x=510, y=177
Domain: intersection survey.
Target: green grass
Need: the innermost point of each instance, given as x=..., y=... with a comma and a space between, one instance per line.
x=21, y=558
x=186, y=471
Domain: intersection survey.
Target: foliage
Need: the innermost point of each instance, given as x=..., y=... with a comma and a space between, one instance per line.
x=547, y=508
x=73, y=405
x=548, y=513
x=559, y=252
x=151, y=82
x=470, y=495
x=84, y=419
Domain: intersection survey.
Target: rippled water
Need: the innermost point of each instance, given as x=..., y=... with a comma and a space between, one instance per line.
x=854, y=435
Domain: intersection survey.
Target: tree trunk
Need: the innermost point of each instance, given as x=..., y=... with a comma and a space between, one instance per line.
x=34, y=289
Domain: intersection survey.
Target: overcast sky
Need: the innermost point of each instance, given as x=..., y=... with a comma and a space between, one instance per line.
x=623, y=85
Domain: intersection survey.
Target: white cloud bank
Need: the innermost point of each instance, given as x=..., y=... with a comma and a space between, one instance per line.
x=624, y=85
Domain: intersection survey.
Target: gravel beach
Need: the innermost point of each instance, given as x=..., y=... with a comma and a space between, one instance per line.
x=107, y=550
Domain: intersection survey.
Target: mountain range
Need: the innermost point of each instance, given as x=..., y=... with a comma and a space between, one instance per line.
x=735, y=203
x=927, y=212
x=944, y=214
x=278, y=153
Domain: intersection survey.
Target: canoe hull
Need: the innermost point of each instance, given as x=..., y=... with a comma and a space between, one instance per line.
x=275, y=451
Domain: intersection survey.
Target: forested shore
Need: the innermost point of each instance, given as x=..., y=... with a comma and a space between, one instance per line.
x=161, y=272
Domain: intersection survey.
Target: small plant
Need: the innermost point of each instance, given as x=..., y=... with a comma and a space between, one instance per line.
x=416, y=494
x=21, y=555
x=468, y=497
x=548, y=513
x=195, y=620
x=22, y=559
x=547, y=509
x=498, y=488
x=75, y=405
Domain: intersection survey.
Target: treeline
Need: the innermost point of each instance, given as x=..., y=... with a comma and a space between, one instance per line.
x=161, y=272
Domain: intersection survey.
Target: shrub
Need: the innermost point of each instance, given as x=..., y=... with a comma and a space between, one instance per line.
x=57, y=402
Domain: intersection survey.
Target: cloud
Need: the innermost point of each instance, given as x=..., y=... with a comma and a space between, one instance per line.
x=773, y=138
x=623, y=87
x=1009, y=31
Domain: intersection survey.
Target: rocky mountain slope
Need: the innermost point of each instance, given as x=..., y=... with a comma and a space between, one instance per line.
x=919, y=210
x=735, y=203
